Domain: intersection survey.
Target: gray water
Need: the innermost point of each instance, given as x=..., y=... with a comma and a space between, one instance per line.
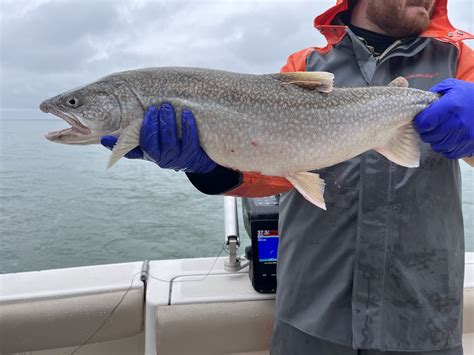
x=60, y=207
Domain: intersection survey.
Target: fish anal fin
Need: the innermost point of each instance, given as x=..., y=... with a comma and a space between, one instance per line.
x=311, y=186
x=403, y=148
x=312, y=80
x=129, y=139
x=400, y=82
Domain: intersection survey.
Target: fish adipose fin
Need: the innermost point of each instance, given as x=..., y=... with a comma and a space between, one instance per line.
x=403, y=148
x=400, y=82
x=129, y=139
x=311, y=186
x=313, y=80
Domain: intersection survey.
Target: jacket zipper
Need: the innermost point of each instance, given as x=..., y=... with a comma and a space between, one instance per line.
x=385, y=52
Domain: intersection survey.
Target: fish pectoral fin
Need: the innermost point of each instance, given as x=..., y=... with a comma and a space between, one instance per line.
x=403, y=148
x=400, y=82
x=313, y=80
x=129, y=139
x=311, y=186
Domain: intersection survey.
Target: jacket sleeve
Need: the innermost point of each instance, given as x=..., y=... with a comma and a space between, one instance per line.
x=248, y=184
x=465, y=71
x=297, y=61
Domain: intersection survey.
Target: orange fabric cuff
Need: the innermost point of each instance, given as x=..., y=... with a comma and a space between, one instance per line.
x=258, y=185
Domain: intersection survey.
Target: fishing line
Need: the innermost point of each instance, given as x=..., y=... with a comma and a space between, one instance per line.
x=130, y=287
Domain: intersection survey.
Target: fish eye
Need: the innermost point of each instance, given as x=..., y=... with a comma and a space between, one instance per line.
x=72, y=102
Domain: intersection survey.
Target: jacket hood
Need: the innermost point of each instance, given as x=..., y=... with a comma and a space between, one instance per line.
x=439, y=26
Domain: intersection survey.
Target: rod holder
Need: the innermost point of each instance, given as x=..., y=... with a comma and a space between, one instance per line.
x=232, y=239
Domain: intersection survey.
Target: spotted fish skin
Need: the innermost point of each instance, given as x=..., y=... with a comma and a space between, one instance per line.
x=257, y=123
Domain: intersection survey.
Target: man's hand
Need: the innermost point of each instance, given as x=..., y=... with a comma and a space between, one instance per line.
x=160, y=144
x=448, y=124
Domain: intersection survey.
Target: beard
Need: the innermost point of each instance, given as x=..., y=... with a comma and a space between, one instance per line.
x=397, y=18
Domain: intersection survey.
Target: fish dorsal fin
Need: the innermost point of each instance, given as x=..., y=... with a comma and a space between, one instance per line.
x=403, y=147
x=313, y=80
x=311, y=186
x=129, y=139
x=400, y=82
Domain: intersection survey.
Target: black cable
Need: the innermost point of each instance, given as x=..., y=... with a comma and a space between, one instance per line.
x=128, y=290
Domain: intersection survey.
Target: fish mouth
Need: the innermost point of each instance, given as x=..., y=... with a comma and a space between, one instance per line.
x=71, y=135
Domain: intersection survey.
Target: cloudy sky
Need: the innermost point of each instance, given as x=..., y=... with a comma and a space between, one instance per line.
x=49, y=46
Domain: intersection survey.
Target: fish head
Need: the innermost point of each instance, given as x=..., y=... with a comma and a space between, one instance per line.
x=92, y=111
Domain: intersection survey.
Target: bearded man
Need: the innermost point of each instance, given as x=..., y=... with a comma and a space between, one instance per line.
x=381, y=271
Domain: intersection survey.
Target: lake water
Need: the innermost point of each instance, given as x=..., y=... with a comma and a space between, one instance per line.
x=60, y=207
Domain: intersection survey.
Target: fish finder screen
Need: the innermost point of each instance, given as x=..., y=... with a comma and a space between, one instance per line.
x=267, y=245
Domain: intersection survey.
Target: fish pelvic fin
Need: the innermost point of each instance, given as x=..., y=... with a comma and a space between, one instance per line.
x=129, y=139
x=313, y=80
x=403, y=148
x=311, y=186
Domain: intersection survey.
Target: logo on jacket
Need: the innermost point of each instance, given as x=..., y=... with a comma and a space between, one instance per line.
x=422, y=75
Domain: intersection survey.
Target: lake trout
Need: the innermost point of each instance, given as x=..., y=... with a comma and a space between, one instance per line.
x=285, y=124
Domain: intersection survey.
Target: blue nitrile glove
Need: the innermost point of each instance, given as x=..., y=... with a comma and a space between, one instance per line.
x=159, y=142
x=448, y=124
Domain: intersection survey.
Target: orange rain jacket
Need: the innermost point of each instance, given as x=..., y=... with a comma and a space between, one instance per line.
x=383, y=267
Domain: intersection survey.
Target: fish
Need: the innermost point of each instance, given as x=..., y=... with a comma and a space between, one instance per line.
x=284, y=124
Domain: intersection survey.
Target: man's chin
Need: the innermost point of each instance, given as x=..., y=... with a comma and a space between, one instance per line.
x=408, y=21
x=415, y=21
